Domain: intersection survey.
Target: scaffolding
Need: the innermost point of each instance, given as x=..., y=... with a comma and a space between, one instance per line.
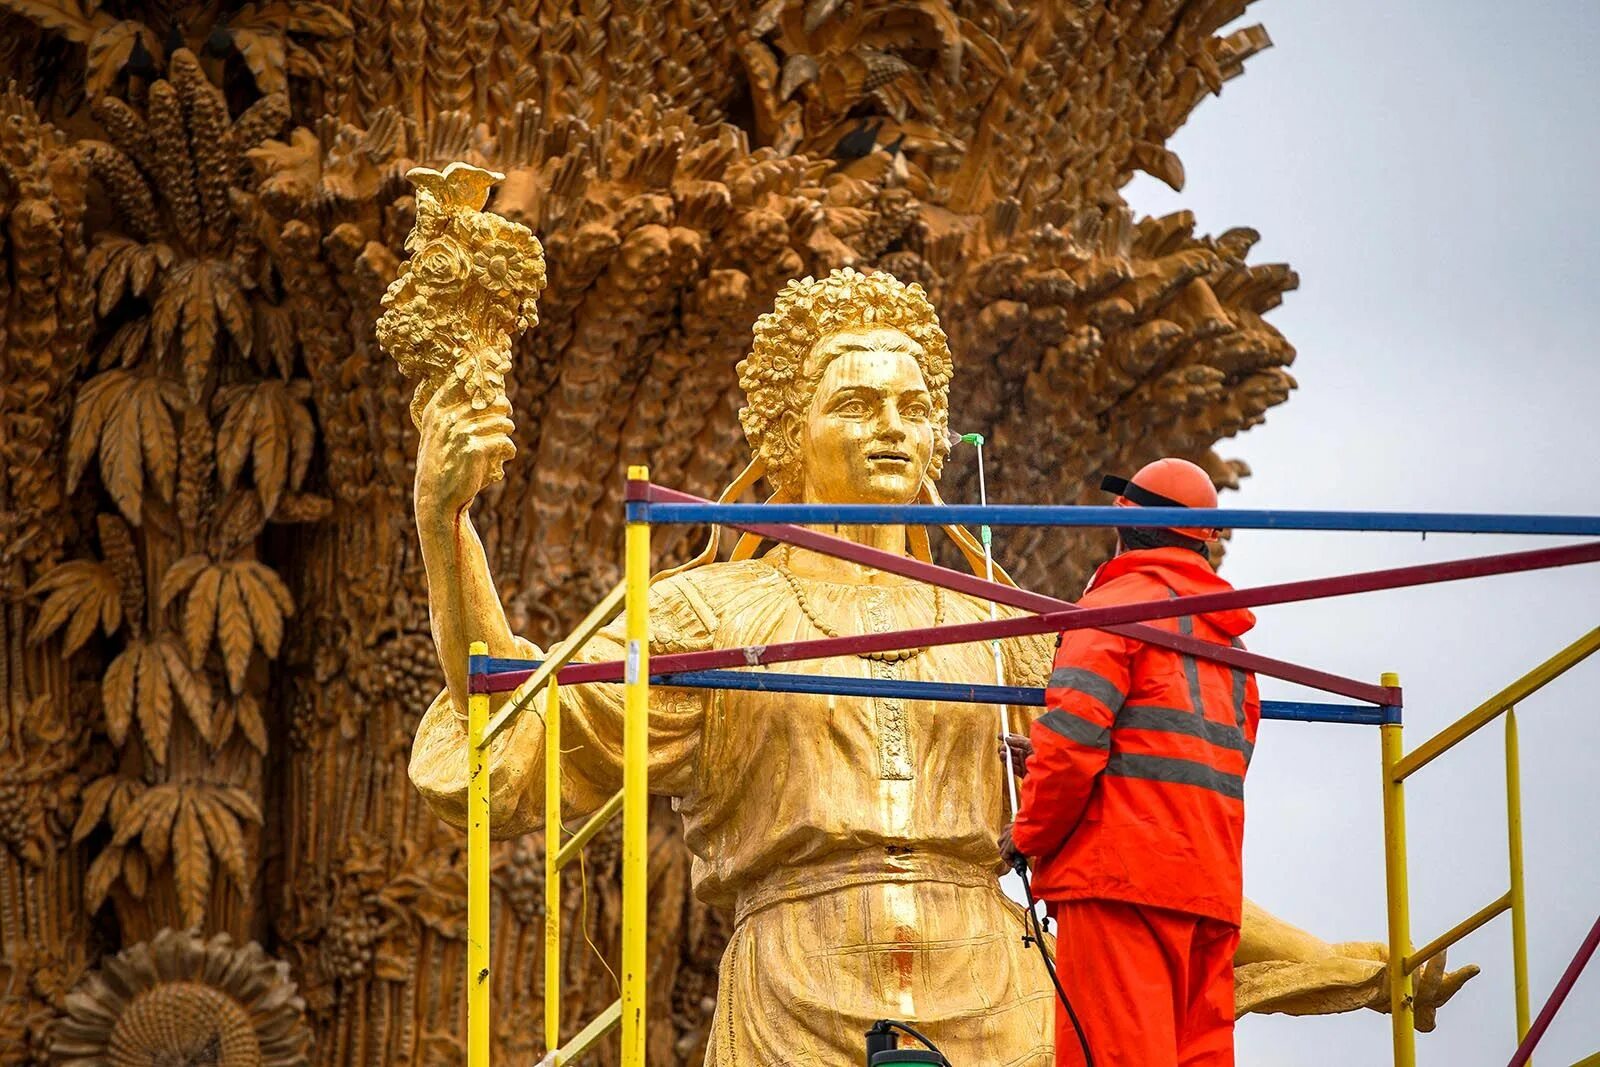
x=1397, y=768
x=1379, y=705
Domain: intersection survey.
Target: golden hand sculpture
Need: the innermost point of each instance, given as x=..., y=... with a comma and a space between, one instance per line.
x=853, y=838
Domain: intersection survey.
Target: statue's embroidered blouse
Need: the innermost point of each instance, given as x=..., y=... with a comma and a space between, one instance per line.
x=770, y=780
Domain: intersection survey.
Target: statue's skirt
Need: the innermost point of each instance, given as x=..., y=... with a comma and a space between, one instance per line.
x=823, y=951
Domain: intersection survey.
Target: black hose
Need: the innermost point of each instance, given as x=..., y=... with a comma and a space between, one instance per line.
x=1021, y=867
x=1037, y=937
x=898, y=1025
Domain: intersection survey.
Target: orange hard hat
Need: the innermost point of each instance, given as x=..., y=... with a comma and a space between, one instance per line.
x=1167, y=483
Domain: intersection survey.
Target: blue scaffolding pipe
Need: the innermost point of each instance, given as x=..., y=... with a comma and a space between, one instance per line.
x=945, y=692
x=1071, y=515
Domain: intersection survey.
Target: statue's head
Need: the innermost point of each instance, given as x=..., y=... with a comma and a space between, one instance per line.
x=848, y=390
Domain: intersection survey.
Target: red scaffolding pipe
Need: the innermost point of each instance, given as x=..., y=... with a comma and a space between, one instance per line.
x=1558, y=996
x=1028, y=600
x=1107, y=618
x=1239, y=658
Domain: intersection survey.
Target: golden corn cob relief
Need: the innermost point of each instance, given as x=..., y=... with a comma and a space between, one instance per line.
x=217, y=636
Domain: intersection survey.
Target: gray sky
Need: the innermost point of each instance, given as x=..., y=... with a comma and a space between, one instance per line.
x=1428, y=168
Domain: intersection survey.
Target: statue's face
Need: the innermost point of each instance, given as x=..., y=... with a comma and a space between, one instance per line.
x=868, y=434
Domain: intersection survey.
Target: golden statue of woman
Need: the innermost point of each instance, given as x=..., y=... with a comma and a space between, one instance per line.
x=852, y=838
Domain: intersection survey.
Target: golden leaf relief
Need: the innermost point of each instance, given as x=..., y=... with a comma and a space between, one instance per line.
x=135, y=873
x=109, y=51
x=224, y=837
x=241, y=603
x=119, y=266
x=81, y=594
x=200, y=613
x=235, y=635
x=152, y=700
x=194, y=296
x=191, y=864
x=143, y=682
x=127, y=345
x=117, y=689
x=77, y=22
x=148, y=818
x=268, y=424
x=191, y=823
x=126, y=419
x=260, y=33
x=96, y=797
x=103, y=874
x=242, y=712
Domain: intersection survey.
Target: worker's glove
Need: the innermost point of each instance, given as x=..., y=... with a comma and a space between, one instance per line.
x=1008, y=850
x=1017, y=749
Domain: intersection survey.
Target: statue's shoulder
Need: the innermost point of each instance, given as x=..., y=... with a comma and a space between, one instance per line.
x=719, y=583
x=698, y=599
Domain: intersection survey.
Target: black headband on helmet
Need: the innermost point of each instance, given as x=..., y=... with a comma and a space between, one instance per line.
x=1137, y=493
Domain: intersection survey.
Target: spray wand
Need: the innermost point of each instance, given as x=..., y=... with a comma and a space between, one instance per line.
x=986, y=538
x=1021, y=866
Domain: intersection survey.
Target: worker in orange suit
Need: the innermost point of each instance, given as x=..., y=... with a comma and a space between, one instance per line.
x=1132, y=802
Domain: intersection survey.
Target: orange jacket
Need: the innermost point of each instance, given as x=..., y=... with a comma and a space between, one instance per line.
x=1135, y=789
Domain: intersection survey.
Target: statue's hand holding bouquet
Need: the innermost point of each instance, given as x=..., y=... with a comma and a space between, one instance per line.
x=461, y=450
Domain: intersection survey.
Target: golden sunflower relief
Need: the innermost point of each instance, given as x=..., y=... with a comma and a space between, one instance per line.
x=181, y=999
x=216, y=628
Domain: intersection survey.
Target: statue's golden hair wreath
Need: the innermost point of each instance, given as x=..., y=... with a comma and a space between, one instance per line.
x=778, y=385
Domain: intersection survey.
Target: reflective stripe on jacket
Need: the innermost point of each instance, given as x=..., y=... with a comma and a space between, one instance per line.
x=1135, y=789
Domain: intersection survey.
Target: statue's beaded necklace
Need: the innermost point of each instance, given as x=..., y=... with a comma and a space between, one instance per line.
x=893, y=656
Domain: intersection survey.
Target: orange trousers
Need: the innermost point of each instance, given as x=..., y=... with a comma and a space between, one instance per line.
x=1152, y=988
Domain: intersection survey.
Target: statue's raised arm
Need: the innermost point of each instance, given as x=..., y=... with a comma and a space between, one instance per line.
x=450, y=318
x=469, y=288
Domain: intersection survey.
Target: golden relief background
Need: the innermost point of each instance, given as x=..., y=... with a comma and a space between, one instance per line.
x=215, y=639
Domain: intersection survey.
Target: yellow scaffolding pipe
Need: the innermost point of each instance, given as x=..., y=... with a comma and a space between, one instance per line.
x=477, y=876
x=1397, y=767
x=1489, y=710
x=1518, y=892
x=552, y=866
x=1457, y=932
x=589, y=1036
x=1401, y=1000
x=635, y=781
x=597, y=822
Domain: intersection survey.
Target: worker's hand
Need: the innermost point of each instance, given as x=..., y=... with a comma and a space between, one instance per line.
x=1008, y=850
x=1017, y=749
